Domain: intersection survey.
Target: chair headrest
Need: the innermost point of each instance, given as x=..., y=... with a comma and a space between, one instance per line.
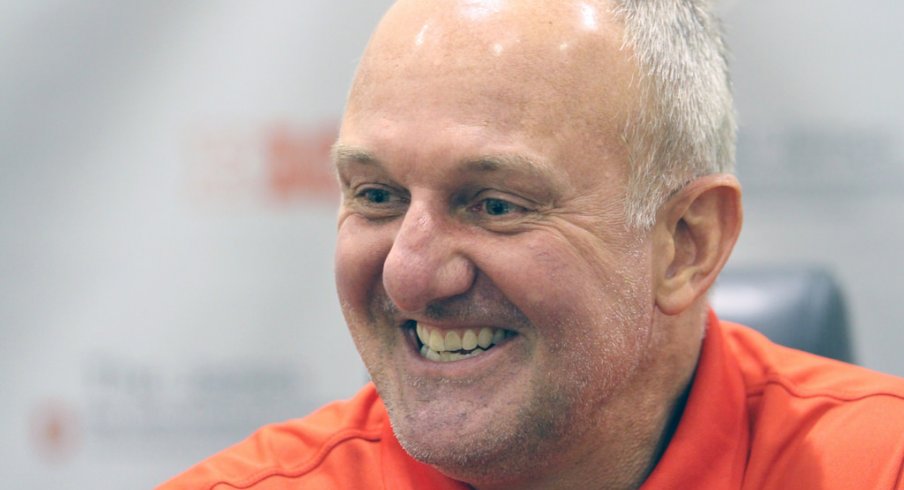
x=796, y=306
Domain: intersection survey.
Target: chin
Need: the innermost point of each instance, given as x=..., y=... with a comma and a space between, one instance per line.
x=472, y=459
x=482, y=444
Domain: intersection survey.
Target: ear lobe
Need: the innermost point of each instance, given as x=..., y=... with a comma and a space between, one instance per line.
x=694, y=234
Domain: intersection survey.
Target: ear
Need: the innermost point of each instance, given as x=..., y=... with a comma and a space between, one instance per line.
x=694, y=234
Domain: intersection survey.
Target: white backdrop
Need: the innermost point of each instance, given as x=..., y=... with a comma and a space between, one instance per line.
x=168, y=221
x=168, y=216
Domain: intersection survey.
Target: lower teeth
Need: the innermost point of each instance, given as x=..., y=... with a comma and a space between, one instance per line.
x=446, y=356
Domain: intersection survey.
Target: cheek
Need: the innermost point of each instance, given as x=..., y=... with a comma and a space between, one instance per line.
x=562, y=287
x=361, y=250
x=545, y=278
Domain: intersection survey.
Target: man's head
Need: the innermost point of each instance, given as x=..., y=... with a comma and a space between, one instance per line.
x=506, y=183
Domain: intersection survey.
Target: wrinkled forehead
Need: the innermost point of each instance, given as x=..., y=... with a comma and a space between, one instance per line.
x=544, y=59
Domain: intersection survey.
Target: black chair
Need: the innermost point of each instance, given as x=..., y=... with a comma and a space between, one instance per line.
x=798, y=306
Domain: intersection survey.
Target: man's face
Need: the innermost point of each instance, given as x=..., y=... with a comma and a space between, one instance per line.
x=483, y=177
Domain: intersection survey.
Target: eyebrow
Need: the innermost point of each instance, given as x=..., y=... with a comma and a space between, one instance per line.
x=512, y=163
x=342, y=154
x=492, y=163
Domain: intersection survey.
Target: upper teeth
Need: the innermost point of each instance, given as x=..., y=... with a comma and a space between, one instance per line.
x=439, y=346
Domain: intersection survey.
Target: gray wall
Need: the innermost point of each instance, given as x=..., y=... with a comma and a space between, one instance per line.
x=821, y=151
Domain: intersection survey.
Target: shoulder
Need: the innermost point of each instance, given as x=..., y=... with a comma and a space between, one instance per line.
x=764, y=364
x=302, y=449
x=819, y=418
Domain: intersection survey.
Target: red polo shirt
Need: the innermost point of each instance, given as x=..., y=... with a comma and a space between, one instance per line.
x=759, y=416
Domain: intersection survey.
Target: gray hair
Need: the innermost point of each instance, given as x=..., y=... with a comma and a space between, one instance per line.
x=685, y=125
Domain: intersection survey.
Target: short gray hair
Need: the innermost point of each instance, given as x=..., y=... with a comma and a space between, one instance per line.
x=685, y=125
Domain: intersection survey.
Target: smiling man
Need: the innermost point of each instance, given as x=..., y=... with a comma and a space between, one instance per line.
x=484, y=174
x=536, y=199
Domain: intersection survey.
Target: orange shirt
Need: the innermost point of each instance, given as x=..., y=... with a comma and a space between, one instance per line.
x=759, y=416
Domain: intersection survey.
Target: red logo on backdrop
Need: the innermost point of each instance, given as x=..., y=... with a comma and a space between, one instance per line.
x=274, y=162
x=54, y=430
x=298, y=162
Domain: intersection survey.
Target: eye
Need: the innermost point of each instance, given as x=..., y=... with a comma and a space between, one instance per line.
x=375, y=201
x=496, y=207
x=376, y=196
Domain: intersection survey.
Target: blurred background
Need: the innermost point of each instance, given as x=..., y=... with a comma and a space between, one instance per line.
x=167, y=211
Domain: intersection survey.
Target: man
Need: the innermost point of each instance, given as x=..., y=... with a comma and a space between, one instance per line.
x=535, y=203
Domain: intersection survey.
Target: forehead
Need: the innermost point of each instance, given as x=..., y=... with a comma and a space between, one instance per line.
x=553, y=72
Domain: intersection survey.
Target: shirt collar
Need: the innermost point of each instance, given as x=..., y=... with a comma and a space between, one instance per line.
x=709, y=447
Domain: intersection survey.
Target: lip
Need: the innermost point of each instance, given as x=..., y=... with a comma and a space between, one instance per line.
x=468, y=368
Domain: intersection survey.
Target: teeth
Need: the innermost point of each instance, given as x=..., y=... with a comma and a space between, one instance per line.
x=437, y=342
x=469, y=340
x=454, y=345
x=485, y=337
x=453, y=341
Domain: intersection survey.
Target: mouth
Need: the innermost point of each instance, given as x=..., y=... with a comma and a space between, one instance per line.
x=449, y=345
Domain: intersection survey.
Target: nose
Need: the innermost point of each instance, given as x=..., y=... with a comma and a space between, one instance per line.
x=424, y=263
